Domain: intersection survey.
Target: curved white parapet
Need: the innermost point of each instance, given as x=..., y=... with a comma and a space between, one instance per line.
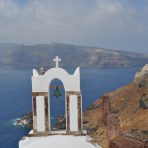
x=40, y=83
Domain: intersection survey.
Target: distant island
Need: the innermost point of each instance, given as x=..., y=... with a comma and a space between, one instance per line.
x=33, y=56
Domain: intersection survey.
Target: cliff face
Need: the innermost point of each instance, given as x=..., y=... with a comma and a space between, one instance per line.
x=120, y=118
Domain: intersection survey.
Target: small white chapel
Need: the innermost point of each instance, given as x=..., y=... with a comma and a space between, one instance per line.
x=42, y=135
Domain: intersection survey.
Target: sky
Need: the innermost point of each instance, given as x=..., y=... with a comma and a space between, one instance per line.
x=113, y=24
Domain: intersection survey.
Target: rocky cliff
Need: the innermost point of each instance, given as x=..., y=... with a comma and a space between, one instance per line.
x=120, y=118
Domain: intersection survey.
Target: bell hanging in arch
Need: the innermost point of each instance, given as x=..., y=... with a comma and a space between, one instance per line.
x=57, y=92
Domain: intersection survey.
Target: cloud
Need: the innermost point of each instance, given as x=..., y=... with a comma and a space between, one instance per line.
x=106, y=23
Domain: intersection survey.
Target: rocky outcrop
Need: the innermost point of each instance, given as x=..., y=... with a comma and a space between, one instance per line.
x=143, y=103
x=141, y=77
x=26, y=120
x=142, y=73
x=61, y=123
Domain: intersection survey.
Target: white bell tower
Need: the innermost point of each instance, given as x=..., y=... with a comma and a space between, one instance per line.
x=41, y=100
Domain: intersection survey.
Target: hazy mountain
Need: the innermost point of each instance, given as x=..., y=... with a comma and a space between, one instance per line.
x=33, y=56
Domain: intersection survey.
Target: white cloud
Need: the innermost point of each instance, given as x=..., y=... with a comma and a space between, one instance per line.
x=106, y=23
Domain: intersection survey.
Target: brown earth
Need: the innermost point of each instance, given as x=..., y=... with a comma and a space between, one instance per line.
x=120, y=118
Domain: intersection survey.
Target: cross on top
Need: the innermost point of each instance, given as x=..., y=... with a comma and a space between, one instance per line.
x=57, y=60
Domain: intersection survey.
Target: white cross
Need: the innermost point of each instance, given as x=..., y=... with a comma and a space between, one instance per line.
x=57, y=60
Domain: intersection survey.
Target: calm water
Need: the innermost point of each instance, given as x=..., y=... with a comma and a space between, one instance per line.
x=15, y=96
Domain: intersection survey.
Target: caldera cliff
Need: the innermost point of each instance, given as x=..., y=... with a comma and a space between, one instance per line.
x=119, y=119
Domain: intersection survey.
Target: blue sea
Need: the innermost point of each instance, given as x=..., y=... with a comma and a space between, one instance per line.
x=15, y=96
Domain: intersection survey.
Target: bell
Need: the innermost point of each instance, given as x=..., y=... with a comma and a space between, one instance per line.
x=57, y=92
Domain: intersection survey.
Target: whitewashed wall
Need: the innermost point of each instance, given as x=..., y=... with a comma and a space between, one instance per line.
x=73, y=113
x=40, y=83
x=40, y=114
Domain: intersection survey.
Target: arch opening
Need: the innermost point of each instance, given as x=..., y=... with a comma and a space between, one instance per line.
x=57, y=105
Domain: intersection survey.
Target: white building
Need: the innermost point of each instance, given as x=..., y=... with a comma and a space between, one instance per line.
x=42, y=134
